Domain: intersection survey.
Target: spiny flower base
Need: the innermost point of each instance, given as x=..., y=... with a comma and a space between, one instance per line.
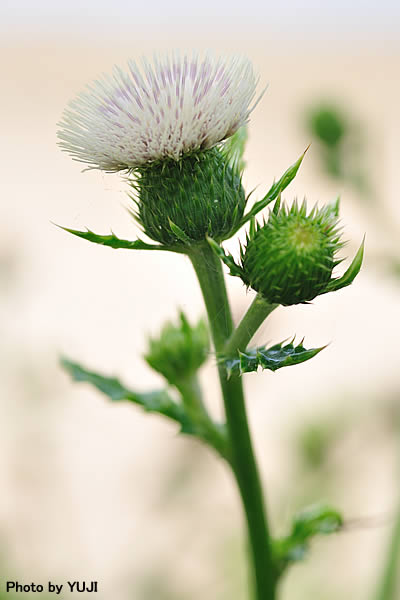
x=186, y=200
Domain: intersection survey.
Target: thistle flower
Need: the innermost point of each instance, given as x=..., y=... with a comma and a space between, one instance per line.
x=167, y=109
x=291, y=257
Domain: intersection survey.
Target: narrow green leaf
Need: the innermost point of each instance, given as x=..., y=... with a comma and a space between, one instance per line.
x=272, y=358
x=275, y=190
x=157, y=402
x=314, y=520
x=113, y=241
x=350, y=274
x=226, y=258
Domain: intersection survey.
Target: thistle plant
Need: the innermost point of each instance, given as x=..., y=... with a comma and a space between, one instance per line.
x=176, y=129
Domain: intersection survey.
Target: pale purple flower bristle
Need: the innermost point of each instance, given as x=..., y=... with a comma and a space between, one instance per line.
x=174, y=106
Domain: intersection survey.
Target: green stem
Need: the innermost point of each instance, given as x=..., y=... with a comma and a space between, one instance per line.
x=190, y=391
x=388, y=586
x=212, y=433
x=254, y=317
x=209, y=272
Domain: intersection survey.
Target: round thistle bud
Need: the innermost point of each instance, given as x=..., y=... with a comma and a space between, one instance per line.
x=185, y=200
x=179, y=351
x=290, y=259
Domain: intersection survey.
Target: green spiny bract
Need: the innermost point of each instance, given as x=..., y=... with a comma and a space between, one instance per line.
x=180, y=350
x=183, y=201
x=290, y=259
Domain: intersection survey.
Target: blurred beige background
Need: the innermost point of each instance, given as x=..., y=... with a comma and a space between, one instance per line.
x=96, y=491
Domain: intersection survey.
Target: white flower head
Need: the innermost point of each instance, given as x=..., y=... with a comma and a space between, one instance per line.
x=174, y=106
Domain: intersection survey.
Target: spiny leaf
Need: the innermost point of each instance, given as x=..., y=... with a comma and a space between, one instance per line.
x=226, y=258
x=275, y=190
x=272, y=358
x=350, y=274
x=114, y=242
x=157, y=402
x=314, y=520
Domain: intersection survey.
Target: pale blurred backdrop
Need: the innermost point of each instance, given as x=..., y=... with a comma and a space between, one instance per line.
x=103, y=492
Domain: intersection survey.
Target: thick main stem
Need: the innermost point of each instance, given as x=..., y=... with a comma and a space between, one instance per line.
x=209, y=272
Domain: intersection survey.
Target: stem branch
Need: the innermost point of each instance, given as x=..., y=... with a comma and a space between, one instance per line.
x=254, y=317
x=212, y=433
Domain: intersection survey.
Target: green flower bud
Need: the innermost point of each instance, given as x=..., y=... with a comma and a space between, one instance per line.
x=183, y=201
x=290, y=259
x=179, y=351
x=328, y=125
